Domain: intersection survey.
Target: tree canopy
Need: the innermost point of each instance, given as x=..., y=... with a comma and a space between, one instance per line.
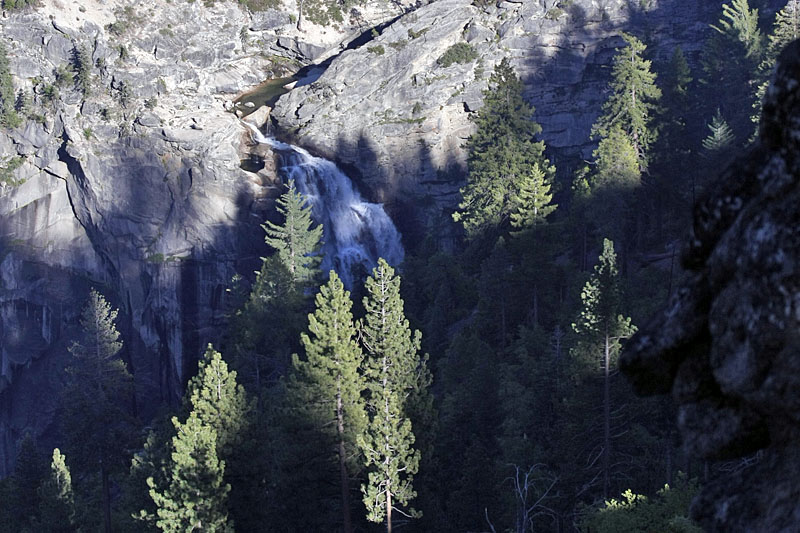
x=503, y=157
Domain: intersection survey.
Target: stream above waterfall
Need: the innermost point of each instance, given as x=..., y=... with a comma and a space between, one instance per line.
x=355, y=232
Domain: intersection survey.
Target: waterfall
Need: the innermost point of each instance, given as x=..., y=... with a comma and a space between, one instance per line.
x=355, y=232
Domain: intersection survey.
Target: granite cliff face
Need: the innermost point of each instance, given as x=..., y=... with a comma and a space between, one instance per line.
x=134, y=188
x=727, y=347
x=389, y=111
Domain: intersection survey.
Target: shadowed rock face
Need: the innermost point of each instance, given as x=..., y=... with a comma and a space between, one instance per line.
x=391, y=113
x=728, y=345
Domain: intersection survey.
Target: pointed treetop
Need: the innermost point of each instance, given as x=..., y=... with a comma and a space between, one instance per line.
x=217, y=400
x=721, y=136
x=296, y=240
x=602, y=300
x=739, y=23
x=633, y=99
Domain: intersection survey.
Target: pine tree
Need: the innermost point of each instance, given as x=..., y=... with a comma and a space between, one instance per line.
x=533, y=200
x=633, y=99
x=82, y=64
x=601, y=327
x=8, y=117
x=609, y=192
x=731, y=65
x=98, y=397
x=740, y=23
x=29, y=472
x=677, y=77
x=785, y=29
x=214, y=396
x=260, y=355
x=391, y=369
x=673, y=168
x=196, y=495
x=325, y=387
x=502, y=153
x=197, y=485
x=57, y=506
x=296, y=241
x=721, y=137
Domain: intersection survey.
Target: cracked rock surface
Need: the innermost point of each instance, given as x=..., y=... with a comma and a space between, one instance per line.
x=728, y=345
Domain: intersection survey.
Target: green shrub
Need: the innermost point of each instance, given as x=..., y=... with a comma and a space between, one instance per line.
x=260, y=5
x=50, y=93
x=124, y=93
x=82, y=64
x=64, y=76
x=23, y=102
x=151, y=102
x=7, y=96
x=12, y=119
x=377, y=50
x=415, y=34
x=7, y=168
x=12, y=5
x=458, y=53
x=118, y=27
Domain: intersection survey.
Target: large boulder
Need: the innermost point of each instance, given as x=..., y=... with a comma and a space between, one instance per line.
x=728, y=345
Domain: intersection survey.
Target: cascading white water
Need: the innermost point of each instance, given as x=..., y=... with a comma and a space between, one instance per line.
x=356, y=232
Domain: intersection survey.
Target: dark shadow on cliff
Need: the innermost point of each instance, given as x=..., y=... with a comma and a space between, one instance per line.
x=171, y=298
x=410, y=195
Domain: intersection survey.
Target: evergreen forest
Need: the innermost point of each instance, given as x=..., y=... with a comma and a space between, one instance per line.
x=472, y=388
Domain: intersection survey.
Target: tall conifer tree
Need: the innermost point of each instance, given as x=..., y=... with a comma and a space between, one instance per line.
x=533, y=200
x=392, y=368
x=325, y=388
x=601, y=327
x=29, y=472
x=731, y=63
x=502, y=154
x=195, y=498
x=633, y=99
x=98, y=398
x=296, y=240
x=197, y=486
x=785, y=29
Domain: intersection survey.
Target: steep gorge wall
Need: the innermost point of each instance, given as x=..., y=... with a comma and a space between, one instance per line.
x=134, y=189
x=399, y=120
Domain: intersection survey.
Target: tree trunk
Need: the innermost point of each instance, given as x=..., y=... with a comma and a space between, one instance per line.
x=348, y=528
x=106, y=499
x=606, y=420
x=388, y=511
x=300, y=15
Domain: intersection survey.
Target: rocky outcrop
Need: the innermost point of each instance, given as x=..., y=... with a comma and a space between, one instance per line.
x=727, y=347
x=389, y=111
